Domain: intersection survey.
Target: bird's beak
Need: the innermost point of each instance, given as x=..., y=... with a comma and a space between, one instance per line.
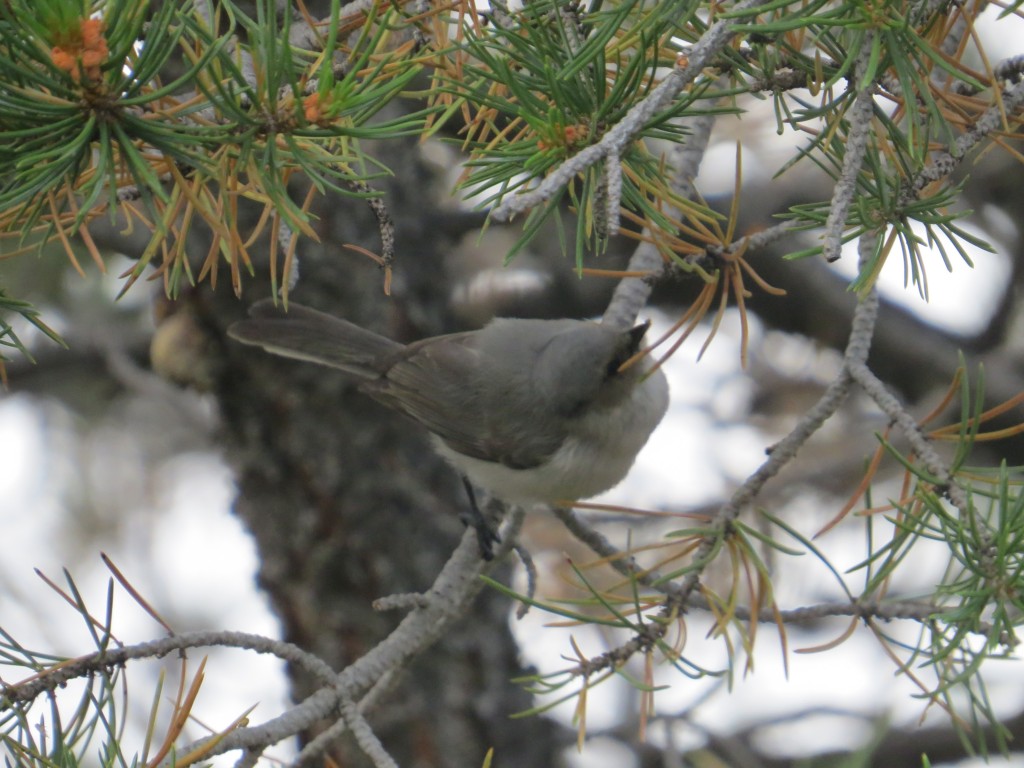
x=636, y=335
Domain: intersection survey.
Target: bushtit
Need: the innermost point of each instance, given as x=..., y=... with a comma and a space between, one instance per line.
x=528, y=410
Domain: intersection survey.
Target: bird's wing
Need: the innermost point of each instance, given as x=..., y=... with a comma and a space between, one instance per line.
x=437, y=382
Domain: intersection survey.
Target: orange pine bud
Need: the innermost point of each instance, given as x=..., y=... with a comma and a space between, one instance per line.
x=62, y=59
x=92, y=59
x=311, y=107
x=92, y=33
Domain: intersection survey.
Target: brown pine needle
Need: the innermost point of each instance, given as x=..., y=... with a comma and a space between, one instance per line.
x=947, y=398
x=828, y=646
x=859, y=491
x=135, y=594
x=616, y=274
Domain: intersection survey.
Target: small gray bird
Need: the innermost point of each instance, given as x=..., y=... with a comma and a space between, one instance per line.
x=529, y=410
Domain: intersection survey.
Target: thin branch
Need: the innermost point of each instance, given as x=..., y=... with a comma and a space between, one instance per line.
x=616, y=140
x=365, y=737
x=944, y=163
x=500, y=15
x=631, y=293
x=1010, y=69
x=861, y=115
x=50, y=680
x=683, y=595
x=249, y=758
x=864, y=318
x=779, y=456
x=626, y=564
x=612, y=193
x=763, y=238
x=313, y=753
x=454, y=589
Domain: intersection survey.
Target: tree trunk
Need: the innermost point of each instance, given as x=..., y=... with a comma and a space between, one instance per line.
x=348, y=502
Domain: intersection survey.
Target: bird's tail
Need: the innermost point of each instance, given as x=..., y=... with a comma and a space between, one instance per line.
x=306, y=334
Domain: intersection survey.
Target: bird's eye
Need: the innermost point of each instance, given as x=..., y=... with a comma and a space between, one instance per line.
x=629, y=347
x=621, y=356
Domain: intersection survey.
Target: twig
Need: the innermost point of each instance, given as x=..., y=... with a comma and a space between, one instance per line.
x=861, y=114
x=50, y=680
x=454, y=589
x=944, y=163
x=616, y=140
x=780, y=455
x=631, y=293
x=365, y=737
